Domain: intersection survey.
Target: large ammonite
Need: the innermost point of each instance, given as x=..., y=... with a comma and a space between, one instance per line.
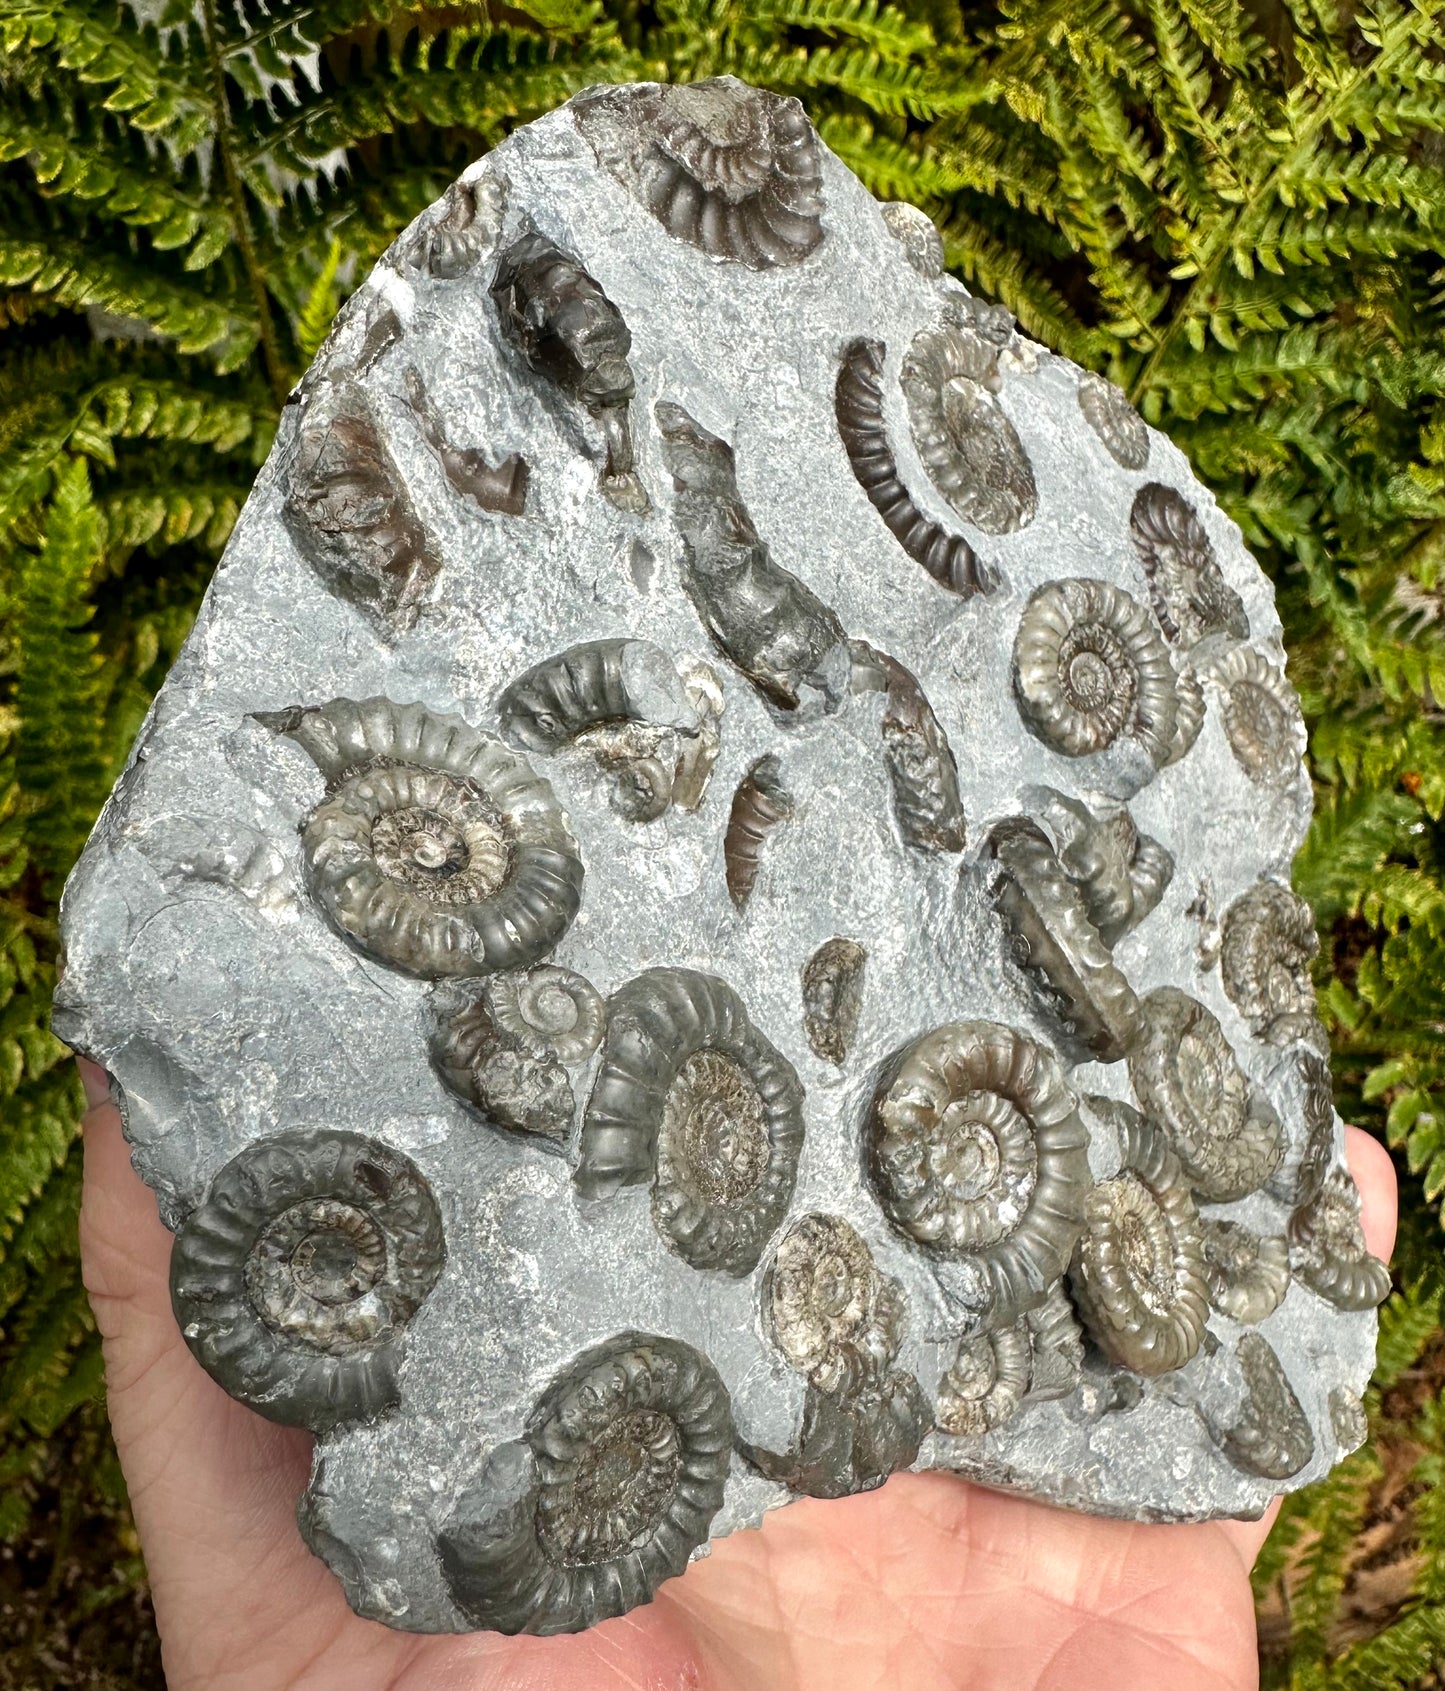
x=977, y=1153
x=1117, y=424
x=985, y=1383
x=435, y=850
x=1248, y=1274
x=615, y=1482
x=1270, y=1434
x=1328, y=1251
x=827, y=1307
x=971, y=450
x=1190, y=595
x=1139, y=1274
x=1267, y=943
x=1090, y=668
x=1261, y=716
x=294, y=1279
x=1226, y=1133
x=691, y=1096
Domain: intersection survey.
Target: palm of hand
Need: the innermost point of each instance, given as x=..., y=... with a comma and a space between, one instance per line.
x=925, y=1585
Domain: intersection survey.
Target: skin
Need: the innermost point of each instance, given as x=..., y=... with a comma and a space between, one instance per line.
x=929, y=1583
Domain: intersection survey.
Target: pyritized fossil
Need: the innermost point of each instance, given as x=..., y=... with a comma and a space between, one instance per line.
x=1121, y=874
x=849, y=1441
x=453, y=237
x=1189, y=715
x=921, y=767
x=1300, y=1177
x=294, y=1278
x=1114, y=420
x=1270, y=1434
x=1248, y=1274
x=916, y=232
x=1191, y=597
x=613, y=1484
x=1268, y=942
x=1225, y=1132
x=828, y=1309
x=833, y=997
x=1327, y=1247
x=493, y=487
x=1348, y=1421
x=435, y=849
x=761, y=802
x=1261, y=716
x=1057, y=1346
x=985, y=1383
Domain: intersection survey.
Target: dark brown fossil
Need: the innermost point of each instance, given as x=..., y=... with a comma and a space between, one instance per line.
x=850, y=1442
x=1270, y=1434
x=761, y=802
x=500, y=487
x=833, y=997
x=1190, y=596
x=921, y=767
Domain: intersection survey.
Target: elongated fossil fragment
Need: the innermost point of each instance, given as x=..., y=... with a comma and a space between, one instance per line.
x=849, y=1442
x=761, y=802
x=921, y=768
x=1270, y=1434
x=500, y=487
x=833, y=997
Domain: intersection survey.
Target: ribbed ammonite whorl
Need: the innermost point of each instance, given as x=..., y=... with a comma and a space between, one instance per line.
x=1268, y=941
x=1139, y=1274
x=1270, y=1434
x=1225, y=1132
x=1300, y=1177
x=435, y=850
x=827, y=1307
x=971, y=450
x=616, y=1480
x=1117, y=424
x=294, y=1279
x=985, y=1383
x=1191, y=597
x=1090, y=668
x=977, y=1152
x=1328, y=1251
x=1248, y=1274
x=691, y=1096
x=916, y=232
x=1261, y=716
x=1121, y=874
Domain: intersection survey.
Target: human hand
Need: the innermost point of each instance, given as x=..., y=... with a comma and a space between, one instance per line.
x=927, y=1584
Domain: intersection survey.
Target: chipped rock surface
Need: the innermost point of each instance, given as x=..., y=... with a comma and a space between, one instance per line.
x=687, y=928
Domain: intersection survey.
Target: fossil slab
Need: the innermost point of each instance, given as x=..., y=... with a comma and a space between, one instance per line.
x=704, y=915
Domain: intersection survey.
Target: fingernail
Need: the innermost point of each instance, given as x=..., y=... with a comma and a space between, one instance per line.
x=95, y=1081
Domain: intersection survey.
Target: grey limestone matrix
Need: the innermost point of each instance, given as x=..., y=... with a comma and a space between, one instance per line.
x=705, y=915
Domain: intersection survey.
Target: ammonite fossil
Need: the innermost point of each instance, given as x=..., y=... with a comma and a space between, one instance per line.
x=1114, y=420
x=1225, y=1132
x=1190, y=596
x=1300, y=1177
x=985, y=1383
x=295, y=1277
x=761, y=802
x=1348, y=1421
x=1138, y=1276
x=1084, y=994
x=921, y=767
x=1247, y=1274
x=498, y=487
x=1270, y=1434
x=849, y=1441
x=833, y=997
x=459, y=231
x=858, y=405
x=1261, y=716
x=1057, y=1346
x=692, y=1097
x=828, y=1309
x=971, y=450
x=1089, y=668
x=976, y=1151
x=435, y=850
x=730, y=169
x=1121, y=874
x=1268, y=942
x=1327, y=1247
x=613, y=1484
x=1189, y=717
x=917, y=233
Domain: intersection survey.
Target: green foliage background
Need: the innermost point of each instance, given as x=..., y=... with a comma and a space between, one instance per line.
x=1235, y=208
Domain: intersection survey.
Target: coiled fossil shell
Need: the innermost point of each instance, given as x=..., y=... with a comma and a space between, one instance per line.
x=691, y=1096
x=1115, y=421
x=1225, y=1133
x=1089, y=668
x=1121, y=874
x=1191, y=597
x=916, y=232
x=976, y=1151
x=971, y=450
x=1093, y=1006
x=833, y=998
x=1261, y=717
x=1267, y=945
x=1348, y=1421
x=1301, y=1176
x=595, y=682
x=1270, y=1434
x=613, y=1484
x=921, y=767
x=1189, y=715
x=985, y=1383
x=294, y=1278
x=850, y=1441
x=761, y=802
x=858, y=405
x=1248, y=1275
x=435, y=850
x=1327, y=1248
x=1138, y=1275
x=460, y=233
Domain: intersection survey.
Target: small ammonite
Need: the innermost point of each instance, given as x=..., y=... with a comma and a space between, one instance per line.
x=833, y=997
x=829, y=1310
x=1120, y=873
x=1268, y=942
x=985, y=1383
x=458, y=232
x=1247, y=1273
x=976, y=1152
x=692, y=1097
x=1225, y=1132
x=917, y=233
x=1328, y=1251
x=295, y=1277
x=436, y=850
x=1190, y=595
x=614, y=1483
x=1117, y=424
x=1057, y=1347
x=550, y=1012
x=1269, y=1434
x=1138, y=1275
x=1300, y=1177
x=1189, y=717
x=1261, y=716
x=1090, y=669
x=849, y=1441
x=1348, y=1420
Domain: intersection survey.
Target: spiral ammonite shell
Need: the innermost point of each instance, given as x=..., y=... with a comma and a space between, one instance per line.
x=691, y=1096
x=1191, y=597
x=1248, y=1274
x=1327, y=1248
x=829, y=1310
x=850, y=1441
x=1270, y=1434
x=435, y=850
x=1226, y=1133
x=615, y=1482
x=1121, y=874
x=1268, y=942
x=598, y=681
x=1117, y=424
x=916, y=232
x=1138, y=1276
x=294, y=1279
x=550, y=1012
x=833, y=997
x=1089, y=668
x=976, y=1152
x=985, y=1383
x=1261, y=716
